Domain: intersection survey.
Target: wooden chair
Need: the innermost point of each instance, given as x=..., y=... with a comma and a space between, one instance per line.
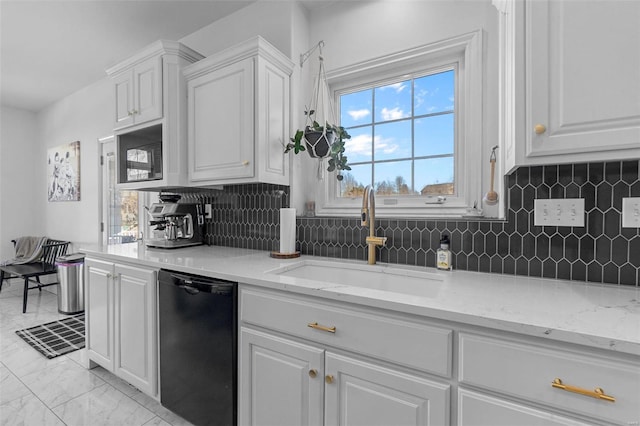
x=31, y=272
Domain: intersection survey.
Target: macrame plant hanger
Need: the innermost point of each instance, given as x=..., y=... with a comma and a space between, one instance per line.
x=320, y=113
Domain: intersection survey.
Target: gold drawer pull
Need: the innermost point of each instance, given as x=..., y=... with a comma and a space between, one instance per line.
x=596, y=393
x=313, y=373
x=321, y=327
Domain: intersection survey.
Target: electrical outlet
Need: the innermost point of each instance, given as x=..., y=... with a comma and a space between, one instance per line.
x=207, y=211
x=631, y=212
x=559, y=212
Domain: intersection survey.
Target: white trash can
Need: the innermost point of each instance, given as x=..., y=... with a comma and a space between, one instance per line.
x=71, y=279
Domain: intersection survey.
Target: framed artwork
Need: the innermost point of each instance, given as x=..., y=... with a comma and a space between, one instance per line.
x=63, y=172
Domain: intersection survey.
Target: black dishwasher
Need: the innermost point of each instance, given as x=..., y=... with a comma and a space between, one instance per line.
x=198, y=341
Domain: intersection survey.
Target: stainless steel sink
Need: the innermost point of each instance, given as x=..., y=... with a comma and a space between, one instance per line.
x=395, y=279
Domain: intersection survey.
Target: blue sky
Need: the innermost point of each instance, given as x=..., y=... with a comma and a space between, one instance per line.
x=382, y=115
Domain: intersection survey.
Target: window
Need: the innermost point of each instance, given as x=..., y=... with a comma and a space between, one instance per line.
x=402, y=136
x=138, y=165
x=122, y=221
x=415, y=120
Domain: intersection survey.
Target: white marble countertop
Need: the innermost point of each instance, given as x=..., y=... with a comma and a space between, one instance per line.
x=603, y=316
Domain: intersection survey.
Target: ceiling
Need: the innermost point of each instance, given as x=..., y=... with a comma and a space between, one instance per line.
x=52, y=48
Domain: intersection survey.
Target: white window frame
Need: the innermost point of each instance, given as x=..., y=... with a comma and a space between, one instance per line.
x=464, y=53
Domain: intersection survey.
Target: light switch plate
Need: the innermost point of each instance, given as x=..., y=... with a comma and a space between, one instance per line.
x=631, y=212
x=559, y=212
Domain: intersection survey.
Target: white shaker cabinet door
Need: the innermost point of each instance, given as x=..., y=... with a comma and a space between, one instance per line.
x=148, y=90
x=360, y=393
x=221, y=123
x=99, y=312
x=136, y=327
x=280, y=381
x=123, y=91
x=583, y=85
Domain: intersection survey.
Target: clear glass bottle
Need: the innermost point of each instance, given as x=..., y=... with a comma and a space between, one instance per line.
x=443, y=255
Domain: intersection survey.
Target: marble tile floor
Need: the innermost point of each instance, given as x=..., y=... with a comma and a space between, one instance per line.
x=36, y=391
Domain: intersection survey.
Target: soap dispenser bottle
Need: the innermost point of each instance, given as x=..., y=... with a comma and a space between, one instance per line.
x=443, y=255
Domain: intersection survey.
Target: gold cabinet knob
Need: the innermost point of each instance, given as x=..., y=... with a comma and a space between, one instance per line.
x=539, y=129
x=313, y=373
x=245, y=163
x=329, y=379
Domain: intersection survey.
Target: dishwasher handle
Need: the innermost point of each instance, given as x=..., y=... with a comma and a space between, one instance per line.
x=189, y=289
x=195, y=284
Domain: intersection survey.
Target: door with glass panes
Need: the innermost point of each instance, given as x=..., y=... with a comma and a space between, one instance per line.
x=121, y=221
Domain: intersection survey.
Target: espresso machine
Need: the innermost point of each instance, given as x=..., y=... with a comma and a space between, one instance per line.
x=175, y=225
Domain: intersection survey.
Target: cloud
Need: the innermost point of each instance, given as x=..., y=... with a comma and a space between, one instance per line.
x=358, y=113
x=397, y=87
x=386, y=145
x=358, y=145
x=392, y=114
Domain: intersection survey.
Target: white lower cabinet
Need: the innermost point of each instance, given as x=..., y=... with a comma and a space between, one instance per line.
x=285, y=380
x=601, y=389
x=483, y=410
x=313, y=361
x=121, y=321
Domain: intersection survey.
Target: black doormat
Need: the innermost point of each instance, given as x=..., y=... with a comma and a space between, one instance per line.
x=56, y=338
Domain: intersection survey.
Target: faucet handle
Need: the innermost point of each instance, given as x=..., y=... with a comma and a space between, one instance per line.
x=376, y=241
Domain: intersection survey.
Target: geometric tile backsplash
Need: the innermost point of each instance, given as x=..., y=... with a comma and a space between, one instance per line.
x=245, y=216
x=601, y=251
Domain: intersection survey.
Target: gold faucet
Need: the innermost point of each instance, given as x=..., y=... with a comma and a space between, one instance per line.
x=369, y=219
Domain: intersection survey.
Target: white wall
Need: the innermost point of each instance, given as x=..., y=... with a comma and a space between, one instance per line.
x=83, y=116
x=21, y=166
x=269, y=19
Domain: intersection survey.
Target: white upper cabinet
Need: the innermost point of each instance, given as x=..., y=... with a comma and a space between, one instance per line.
x=571, y=70
x=238, y=116
x=151, y=100
x=138, y=82
x=138, y=93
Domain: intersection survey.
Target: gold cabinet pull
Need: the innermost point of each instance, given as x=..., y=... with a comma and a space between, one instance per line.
x=313, y=373
x=596, y=393
x=322, y=327
x=539, y=129
x=328, y=379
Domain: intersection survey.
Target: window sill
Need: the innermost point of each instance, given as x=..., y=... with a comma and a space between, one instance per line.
x=395, y=212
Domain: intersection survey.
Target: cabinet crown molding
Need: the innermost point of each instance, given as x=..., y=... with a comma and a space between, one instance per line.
x=255, y=46
x=160, y=47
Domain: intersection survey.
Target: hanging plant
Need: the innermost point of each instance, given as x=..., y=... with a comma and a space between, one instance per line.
x=321, y=141
x=322, y=148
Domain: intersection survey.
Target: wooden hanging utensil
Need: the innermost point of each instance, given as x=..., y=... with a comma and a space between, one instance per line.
x=491, y=198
